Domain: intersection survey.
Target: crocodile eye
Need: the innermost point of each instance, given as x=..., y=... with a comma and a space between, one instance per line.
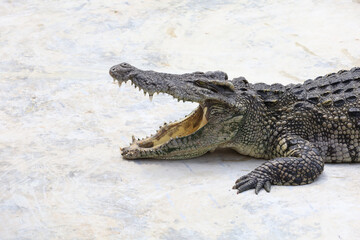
x=200, y=83
x=209, y=86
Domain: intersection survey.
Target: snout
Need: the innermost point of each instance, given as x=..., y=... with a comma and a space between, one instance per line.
x=121, y=71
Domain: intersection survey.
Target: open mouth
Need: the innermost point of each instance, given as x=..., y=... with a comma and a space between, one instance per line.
x=170, y=136
x=179, y=129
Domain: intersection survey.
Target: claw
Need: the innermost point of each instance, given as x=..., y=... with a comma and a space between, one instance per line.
x=133, y=138
x=120, y=83
x=150, y=97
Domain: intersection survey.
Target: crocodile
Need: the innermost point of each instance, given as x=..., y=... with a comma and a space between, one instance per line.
x=297, y=127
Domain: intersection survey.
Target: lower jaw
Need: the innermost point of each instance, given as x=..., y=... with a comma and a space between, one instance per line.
x=184, y=155
x=187, y=152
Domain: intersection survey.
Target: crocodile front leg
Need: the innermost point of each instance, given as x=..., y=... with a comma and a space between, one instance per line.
x=301, y=163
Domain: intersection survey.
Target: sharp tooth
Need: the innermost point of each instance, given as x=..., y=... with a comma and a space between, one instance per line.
x=150, y=97
x=133, y=139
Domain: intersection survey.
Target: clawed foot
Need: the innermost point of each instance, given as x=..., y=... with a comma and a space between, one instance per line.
x=251, y=181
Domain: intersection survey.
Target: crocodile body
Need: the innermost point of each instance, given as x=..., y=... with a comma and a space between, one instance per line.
x=297, y=127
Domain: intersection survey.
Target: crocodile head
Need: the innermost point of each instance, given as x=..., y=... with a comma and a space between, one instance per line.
x=212, y=124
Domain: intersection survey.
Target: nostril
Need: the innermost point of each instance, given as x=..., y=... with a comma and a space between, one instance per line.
x=125, y=65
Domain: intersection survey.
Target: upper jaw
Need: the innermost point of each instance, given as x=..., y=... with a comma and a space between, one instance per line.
x=153, y=82
x=194, y=87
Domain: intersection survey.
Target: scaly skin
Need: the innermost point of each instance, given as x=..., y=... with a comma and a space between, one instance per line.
x=299, y=127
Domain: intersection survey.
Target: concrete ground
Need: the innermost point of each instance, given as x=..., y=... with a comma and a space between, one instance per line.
x=62, y=119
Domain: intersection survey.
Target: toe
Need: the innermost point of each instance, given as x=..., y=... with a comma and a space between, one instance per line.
x=239, y=183
x=267, y=186
x=259, y=186
x=248, y=185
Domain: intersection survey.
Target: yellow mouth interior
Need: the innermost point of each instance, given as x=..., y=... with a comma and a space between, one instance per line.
x=185, y=127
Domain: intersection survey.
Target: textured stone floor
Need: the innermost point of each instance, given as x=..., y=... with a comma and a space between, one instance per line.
x=62, y=119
